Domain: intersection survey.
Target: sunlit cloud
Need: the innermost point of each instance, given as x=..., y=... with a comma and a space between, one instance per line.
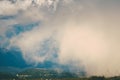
x=82, y=34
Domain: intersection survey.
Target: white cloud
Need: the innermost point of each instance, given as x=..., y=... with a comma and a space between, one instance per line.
x=85, y=34
x=13, y=8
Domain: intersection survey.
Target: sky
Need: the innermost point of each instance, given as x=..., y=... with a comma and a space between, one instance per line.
x=81, y=35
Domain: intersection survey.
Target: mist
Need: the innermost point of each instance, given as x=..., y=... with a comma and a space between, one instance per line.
x=82, y=33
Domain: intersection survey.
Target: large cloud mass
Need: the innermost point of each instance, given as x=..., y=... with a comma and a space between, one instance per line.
x=79, y=33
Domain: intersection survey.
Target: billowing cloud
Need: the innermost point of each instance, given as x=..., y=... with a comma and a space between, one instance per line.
x=78, y=33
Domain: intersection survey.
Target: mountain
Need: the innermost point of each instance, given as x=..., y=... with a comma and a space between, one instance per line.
x=36, y=73
x=11, y=70
x=47, y=73
x=50, y=74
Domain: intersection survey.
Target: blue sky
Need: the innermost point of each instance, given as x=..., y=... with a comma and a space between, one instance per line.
x=79, y=35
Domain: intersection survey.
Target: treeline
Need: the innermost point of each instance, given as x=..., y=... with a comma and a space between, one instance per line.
x=4, y=76
x=7, y=76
